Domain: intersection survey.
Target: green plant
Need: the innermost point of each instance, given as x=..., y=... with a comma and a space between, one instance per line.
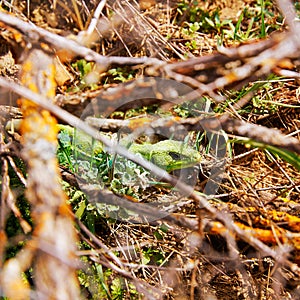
x=121, y=74
x=152, y=256
x=65, y=150
x=215, y=22
x=83, y=67
x=88, y=74
x=261, y=101
x=193, y=108
x=253, y=22
x=189, y=7
x=101, y=283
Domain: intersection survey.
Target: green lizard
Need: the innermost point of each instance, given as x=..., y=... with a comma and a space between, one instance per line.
x=168, y=154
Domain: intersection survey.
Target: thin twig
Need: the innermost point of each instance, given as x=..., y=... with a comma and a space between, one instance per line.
x=94, y=21
x=37, y=34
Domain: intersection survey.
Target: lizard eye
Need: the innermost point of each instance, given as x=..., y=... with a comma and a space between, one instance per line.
x=175, y=156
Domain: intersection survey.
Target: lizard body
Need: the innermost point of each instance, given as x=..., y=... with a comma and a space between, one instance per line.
x=168, y=154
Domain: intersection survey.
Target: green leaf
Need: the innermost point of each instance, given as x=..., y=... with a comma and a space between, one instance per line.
x=157, y=235
x=263, y=25
x=210, y=22
x=289, y=156
x=117, y=289
x=145, y=258
x=238, y=25
x=79, y=212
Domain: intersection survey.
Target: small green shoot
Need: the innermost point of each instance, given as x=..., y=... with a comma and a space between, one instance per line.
x=88, y=74
x=121, y=74
x=263, y=32
x=153, y=256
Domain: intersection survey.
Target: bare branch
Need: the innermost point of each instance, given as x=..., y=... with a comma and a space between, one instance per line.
x=263, y=134
x=37, y=34
x=288, y=10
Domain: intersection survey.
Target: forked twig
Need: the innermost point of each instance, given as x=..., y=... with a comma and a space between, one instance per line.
x=37, y=34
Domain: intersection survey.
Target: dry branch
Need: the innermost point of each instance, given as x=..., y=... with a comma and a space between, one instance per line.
x=54, y=240
x=40, y=35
